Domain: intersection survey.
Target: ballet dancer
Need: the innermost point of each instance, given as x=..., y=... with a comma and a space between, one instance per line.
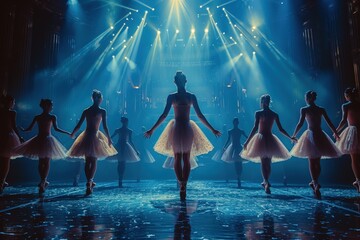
x=92, y=144
x=9, y=137
x=314, y=143
x=125, y=147
x=262, y=146
x=43, y=146
x=232, y=149
x=349, y=142
x=182, y=138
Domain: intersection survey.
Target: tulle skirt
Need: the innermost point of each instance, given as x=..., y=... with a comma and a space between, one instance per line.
x=125, y=153
x=231, y=154
x=41, y=147
x=217, y=156
x=170, y=161
x=265, y=146
x=90, y=144
x=146, y=156
x=349, y=142
x=315, y=145
x=189, y=138
x=8, y=142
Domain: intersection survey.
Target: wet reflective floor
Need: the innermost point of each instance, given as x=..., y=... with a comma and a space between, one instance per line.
x=151, y=210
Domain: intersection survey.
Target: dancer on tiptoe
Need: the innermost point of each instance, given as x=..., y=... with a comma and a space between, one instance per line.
x=349, y=142
x=43, y=146
x=92, y=143
x=9, y=137
x=125, y=147
x=182, y=138
x=314, y=143
x=233, y=147
x=262, y=146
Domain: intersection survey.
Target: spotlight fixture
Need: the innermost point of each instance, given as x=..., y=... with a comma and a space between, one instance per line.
x=158, y=32
x=112, y=27
x=206, y=30
x=193, y=30
x=254, y=53
x=177, y=31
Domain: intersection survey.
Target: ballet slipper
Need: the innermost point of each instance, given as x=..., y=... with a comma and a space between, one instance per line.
x=356, y=184
x=266, y=185
x=90, y=187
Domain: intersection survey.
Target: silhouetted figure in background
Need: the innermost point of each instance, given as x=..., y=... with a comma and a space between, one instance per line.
x=232, y=149
x=125, y=147
x=349, y=142
x=92, y=143
x=145, y=155
x=182, y=138
x=314, y=143
x=9, y=137
x=262, y=146
x=43, y=146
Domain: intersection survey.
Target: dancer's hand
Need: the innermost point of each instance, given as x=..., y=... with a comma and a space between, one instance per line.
x=148, y=134
x=21, y=140
x=336, y=137
x=216, y=133
x=109, y=142
x=294, y=139
x=245, y=146
x=72, y=135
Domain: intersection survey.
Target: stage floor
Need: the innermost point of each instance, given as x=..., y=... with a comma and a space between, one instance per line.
x=151, y=210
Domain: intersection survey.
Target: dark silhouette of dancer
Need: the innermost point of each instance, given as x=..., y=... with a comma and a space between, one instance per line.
x=349, y=142
x=43, y=146
x=182, y=138
x=9, y=137
x=125, y=147
x=262, y=146
x=314, y=143
x=92, y=143
x=232, y=149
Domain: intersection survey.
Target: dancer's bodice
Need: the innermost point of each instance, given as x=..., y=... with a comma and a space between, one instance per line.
x=266, y=121
x=313, y=117
x=45, y=123
x=353, y=115
x=6, y=125
x=182, y=104
x=93, y=121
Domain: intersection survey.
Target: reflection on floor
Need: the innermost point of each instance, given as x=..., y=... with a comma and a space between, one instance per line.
x=151, y=209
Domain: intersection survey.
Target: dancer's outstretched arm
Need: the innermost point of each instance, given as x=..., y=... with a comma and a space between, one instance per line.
x=78, y=125
x=300, y=123
x=282, y=130
x=343, y=119
x=106, y=130
x=162, y=117
x=54, y=120
x=202, y=117
x=330, y=124
x=253, y=131
x=30, y=127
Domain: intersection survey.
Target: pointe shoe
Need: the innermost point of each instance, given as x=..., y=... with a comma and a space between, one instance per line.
x=266, y=186
x=5, y=184
x=356, y=184
x=239, y=183
x=120, y=184
x=182, y=191
x=42, y=186
x=89, y=187
x=316, y=189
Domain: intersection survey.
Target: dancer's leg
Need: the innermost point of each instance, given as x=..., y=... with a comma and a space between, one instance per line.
x=238, y=170
x=4, y=170
x=315, y=170
x=121, y=170
x=266, y=170
x=177, y=166
x=355, y=164
x=90, y=169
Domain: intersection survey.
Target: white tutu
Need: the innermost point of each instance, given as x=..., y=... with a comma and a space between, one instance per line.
x=315, y=145
x=170, y=161
x=125, y=153
x=231, y=154
x=349, y=141
x=91, y=144
x=41, y=147
x=167, y=143
x=217, y=156
x=8, y=142
x=146, y=156
x=265, y=146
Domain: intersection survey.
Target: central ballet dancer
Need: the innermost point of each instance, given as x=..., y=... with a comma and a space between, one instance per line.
x=92, y=143
x=182, y=138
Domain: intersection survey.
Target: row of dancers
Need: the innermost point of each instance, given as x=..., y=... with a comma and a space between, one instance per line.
x=182, y=140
